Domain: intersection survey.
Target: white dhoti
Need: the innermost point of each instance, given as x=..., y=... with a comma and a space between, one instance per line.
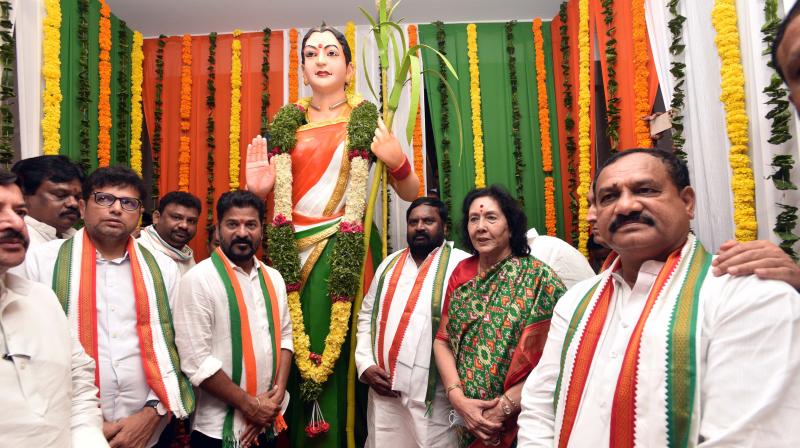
x=394, y=424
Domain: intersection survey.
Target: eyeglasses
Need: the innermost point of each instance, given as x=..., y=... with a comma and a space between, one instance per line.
x=108, y=200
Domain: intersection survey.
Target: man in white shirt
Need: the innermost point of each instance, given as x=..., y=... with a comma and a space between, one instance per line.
x=49, y=397
x=234, y=333
x=657, y=351
x=117, y=297
x=398, y=318
x=567, y=262
x=174, y=225
x=52, y=189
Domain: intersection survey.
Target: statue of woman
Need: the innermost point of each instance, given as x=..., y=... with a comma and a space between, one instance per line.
x=317, y=173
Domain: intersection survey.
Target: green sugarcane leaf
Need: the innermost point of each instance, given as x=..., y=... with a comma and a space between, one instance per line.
x=391, y=11
x=366, y=72
x=456, y=108
x=444, y=59
x=399, y=30
x=369, y=17
x=415, y=88
x=395, y=49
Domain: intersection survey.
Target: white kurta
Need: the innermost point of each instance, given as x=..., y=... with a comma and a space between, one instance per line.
x=123, y=384
x=49, y=397
x=749, y=364
x=401, y=422
x=203, y=334
x=40, y=233
x=569, y=264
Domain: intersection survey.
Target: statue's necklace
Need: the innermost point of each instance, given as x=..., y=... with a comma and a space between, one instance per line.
x=331, y=107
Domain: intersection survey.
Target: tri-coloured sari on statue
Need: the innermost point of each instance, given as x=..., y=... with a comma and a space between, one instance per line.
x=497, y=324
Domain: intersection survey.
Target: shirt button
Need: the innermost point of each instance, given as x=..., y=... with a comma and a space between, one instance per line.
x=613, y=355
x=603, y=404
x=114, y=309
x=22, y=365
x=625, y=325
x=113, y=335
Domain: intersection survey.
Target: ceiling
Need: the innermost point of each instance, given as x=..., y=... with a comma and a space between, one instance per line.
x=174, y=17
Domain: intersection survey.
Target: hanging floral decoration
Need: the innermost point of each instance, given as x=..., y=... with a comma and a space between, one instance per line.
x=416, y=141
x=265, y=81
x=104, y=100
x=678, y=71
x=158, y=115
x=51, y=72
x=7, y=58
x=184, y=149
x=348, y=249
x=584, y=141
x=779, y=116
x=236, y=109
x=211, y=143
x=544, y=126
x=516, y=116
x=723, y=17
x=641, y=74
x=350, y=37
x=612, y=102
x=293, y=66
x=123, y=93
x=83, y=98
x=475, y=102
x=569, y=122
x=137, y=77
x=444, y=104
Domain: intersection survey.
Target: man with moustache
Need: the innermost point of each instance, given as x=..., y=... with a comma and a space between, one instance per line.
x=655, y=351
x=49, y=397
x=174, y=225
x=407, y=404
x=52, y=189
x=234, y=333
x=117, y=297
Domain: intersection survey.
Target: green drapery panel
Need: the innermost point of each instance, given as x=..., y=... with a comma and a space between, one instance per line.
x=496, y=114
x=70, y=72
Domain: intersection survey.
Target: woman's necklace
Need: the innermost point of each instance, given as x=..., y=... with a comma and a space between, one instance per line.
x=331, y=107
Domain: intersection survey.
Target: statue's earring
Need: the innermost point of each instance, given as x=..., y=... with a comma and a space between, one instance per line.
x=305, y=81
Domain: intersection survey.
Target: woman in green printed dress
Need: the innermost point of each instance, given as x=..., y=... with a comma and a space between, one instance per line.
x=497, y=314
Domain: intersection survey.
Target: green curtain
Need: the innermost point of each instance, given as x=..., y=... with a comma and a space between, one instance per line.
x=495, y=112
x=70, y=72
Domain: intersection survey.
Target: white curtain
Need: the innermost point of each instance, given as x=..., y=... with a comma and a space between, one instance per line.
x=704, y=117
x=28, y=15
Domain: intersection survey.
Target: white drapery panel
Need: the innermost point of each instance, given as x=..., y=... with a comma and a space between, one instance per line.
x=28, y=15
x=757, y=76
x=704, y=117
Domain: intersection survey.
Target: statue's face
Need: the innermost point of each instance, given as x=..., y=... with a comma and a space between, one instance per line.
x=325, y=68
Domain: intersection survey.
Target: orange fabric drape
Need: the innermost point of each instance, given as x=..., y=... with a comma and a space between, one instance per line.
x=561, y=110
x=252, y=46
x=625, y=67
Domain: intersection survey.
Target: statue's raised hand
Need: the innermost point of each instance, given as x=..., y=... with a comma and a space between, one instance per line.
x=260, y=171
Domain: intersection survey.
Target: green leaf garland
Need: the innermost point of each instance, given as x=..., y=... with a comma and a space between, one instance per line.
x=784, y=228
x=612, y=102
x=515, y=112
x=7, y=57
x=441, y=41
x=123, y=93
x=265, y=82
x=678, y=71
x=156, y=144
x=83, y=85
x=211, y=104
x=569, y=122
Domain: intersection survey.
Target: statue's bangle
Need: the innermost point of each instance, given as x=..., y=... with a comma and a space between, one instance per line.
x=402, y=171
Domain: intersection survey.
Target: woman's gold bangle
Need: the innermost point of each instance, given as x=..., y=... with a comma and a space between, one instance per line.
x=451, y=387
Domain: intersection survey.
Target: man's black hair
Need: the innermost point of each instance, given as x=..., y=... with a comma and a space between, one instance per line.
x=240, y=199
x=114, y=176
x=676, y=168
x=515, y=217
x=336, y=33
x=35, y=170
x=8, y=178
x=779, y=37
x=183, y=198
x=430, y=201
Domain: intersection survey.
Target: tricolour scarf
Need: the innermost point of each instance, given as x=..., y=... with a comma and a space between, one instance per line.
x=667, y=334
x=242, y=352
x=74, y=283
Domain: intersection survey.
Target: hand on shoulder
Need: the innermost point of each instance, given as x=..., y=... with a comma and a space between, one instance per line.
x=762, y=258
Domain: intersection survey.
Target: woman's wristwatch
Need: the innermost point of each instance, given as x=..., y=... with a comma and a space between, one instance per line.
x=508, y=405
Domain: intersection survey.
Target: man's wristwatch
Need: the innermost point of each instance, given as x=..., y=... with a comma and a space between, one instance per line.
x=156, y=405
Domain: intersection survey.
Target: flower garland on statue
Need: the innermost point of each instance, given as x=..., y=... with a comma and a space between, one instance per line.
x=8, y=51
x=584, y=142
x=612, y=103
x=236, y=109
x=516, y=116
x=419, y=162
x=104, y=100
x=137, y=77
x=723, y=17
x=158, y=114
x=83, y=99
x=678, y=71
x=184, y=150
x=350, y=37
x=444, y=110
x=51, y=72
x=569, y=122
x=544, y=126
x=475, y=102
x=348, y=250
x=641, y=82
x=293, y=66
x=211, y=142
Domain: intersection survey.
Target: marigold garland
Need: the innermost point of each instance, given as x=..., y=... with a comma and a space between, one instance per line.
x=137, y=77
x=444, y=111
x=569, y=122
x=236, y=109
x=8, y=52
x=416, y=142
x=723, y=17
x=211, y=142
x=641, y=74
x=51, y=72
x=350, y=36
x=184, y=154
x=475, y=102
x=348, y=247
x=544, y=126
x=584, y=142
x=104, y=100
x=293, y=66
x=158, y=114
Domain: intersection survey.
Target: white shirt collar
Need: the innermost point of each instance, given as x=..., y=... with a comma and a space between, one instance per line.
x=46, y=230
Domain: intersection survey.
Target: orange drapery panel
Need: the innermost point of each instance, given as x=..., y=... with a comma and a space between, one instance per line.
x=251, y=56
x=572, y=30
x=623, y=21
